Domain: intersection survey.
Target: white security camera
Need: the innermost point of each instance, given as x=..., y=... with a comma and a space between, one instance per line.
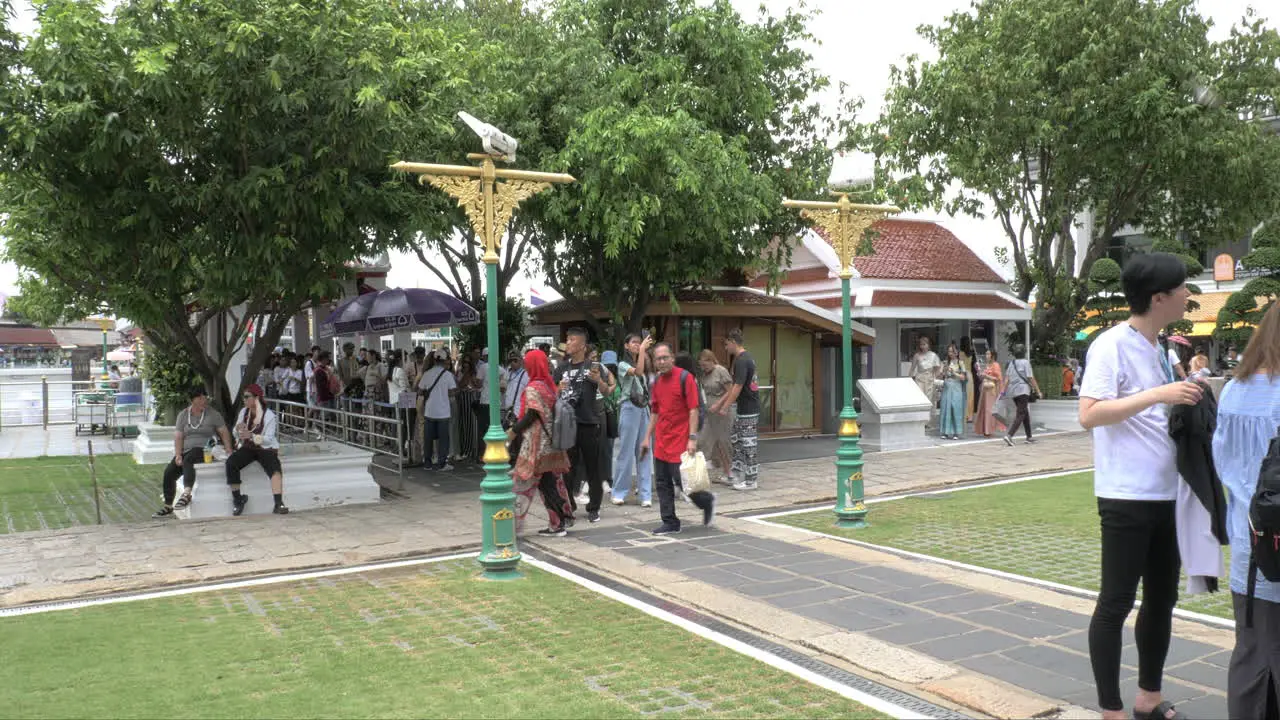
x=496, y=143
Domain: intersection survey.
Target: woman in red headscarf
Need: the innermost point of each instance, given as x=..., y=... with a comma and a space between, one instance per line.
x=538, y=466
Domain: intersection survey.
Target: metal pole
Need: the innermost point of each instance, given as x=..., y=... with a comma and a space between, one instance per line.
x=44, y=399
x=850, y=510
x=93, y=473
x=499, y=554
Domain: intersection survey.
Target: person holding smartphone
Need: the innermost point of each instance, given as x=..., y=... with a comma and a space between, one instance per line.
x=633, y=422
x=582, y=383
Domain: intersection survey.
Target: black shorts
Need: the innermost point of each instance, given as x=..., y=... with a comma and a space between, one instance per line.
x=246, y=455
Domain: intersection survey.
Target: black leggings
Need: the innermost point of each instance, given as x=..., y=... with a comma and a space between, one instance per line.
x=1139, y=542
x=1023, y=415
x=190, y=459
x=246, y=455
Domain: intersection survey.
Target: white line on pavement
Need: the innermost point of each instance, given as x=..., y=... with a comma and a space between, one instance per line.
x=767, y=658
x=232, y=585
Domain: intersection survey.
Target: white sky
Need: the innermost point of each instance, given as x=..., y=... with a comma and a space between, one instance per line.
x=859, y=41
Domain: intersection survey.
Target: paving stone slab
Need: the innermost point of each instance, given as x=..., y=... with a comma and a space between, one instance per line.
x=842, y=614
x=1054, y=659
x=823, y=564
x=915, y=632
x=778, y=587
x=684, y=561
x=721, y=577
x=972, y=644
x=1211, y=705
x=821, y=594
x=932, y=591
x=1221, y=658
x=963, y=603
x=896, y=577
x=855, y=580
x=1036, y=611
x=1200, y=673
x=743, y=551
x=1045, y=682
x=1019, y=625
x=798, y=562
x=890, y=611
x=759, y=573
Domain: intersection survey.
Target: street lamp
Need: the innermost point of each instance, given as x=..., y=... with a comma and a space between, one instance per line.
x=489, y=205
x=105, y=324
x=846, y=224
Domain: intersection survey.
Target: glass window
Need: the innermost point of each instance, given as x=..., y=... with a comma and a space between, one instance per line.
x=695, y=335
x=910, y=332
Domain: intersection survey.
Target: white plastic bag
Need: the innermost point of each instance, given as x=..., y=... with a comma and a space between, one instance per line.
x=693, y=473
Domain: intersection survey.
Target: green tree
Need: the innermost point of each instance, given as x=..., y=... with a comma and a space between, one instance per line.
x=1106, y=306
x=1118, y=111
x=1245, y=308
x=512, y=315
x=201, y=169
x=688, y=128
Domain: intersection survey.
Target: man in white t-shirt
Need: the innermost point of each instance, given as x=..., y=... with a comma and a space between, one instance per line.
x=436, y=385
x=1128, y=388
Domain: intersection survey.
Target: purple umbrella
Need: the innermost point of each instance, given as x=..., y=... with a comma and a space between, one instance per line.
x=398, y=309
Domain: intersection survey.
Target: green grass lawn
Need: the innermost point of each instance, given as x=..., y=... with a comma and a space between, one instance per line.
x=57, y=492
x=1046, y=529
x=428, y=641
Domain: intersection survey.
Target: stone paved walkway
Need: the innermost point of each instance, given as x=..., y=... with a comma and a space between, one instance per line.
x=954, y=624
x=441, y=513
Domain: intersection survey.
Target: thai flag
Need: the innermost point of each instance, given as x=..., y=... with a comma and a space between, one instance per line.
x=535, y=299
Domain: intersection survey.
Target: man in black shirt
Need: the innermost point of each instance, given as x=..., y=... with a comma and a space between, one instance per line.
x=745, y=392
x=584, y=382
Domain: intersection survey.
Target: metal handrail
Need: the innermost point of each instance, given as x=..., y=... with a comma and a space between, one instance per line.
x=44, y=384
x=360, y=430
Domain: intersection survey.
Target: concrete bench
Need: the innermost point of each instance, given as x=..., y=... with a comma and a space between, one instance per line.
x=316, y=475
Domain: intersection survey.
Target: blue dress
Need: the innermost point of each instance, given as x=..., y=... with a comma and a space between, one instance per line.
x=1248, y=417
x=951, y=410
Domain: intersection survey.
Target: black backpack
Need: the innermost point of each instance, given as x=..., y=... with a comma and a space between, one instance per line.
x=702, y=399
x=1264, y=525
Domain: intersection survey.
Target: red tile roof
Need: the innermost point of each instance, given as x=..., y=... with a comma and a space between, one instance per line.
x=920, y=250
x=795, y=275
x=11, y=335
x=912, y=298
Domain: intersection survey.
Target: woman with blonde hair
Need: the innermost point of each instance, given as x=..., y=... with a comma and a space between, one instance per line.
x=713, y=441
x=1248, y=417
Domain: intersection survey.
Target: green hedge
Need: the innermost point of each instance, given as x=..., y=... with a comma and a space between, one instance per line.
x=1049, y=378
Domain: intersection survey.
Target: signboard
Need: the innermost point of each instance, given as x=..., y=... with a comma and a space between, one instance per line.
x=1224, y=268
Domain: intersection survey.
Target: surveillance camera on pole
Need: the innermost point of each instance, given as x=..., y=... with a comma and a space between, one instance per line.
x=495, y=142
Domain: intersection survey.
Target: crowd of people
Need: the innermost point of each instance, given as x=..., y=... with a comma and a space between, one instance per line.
x=964, y=390
x=1178, y=474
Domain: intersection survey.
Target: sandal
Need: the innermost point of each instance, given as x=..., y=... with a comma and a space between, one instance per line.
x=163, y=512
x=1160, y=712
x=183, y=501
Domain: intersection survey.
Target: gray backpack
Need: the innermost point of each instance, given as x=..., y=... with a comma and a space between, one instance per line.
x=564, y=427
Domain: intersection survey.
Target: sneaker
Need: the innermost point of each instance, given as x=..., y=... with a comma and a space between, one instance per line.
x=582, y=499
x=593, y=516
x=446, y=468
x=280, y=510
x=569, y=522
x=1031, y=441
x=646, y=503
x=1008, y=441
x=238, y=505
x=744, y=485
x=553, y=532
x=666, y=529
x=164, y=512
x=709, y=511
x=616, y=501
x=183, y=501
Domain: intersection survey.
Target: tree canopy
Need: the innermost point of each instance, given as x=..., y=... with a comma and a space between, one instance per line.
x=1118, y=112
x=1242, y=312
x=203, y=168
x=688, y=127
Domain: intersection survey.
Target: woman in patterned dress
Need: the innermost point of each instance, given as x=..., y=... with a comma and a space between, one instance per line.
x=538, y=467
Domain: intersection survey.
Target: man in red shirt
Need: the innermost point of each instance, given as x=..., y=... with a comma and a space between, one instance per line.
x=672, y=423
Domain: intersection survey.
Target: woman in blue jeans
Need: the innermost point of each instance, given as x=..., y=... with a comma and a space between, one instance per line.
x=1248, y=419
x=633, y=423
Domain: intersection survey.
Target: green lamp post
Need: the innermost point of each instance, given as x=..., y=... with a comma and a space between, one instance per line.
x=845, y=224
x=489, y=205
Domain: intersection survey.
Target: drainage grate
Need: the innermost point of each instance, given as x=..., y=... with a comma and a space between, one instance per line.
x=857, y=682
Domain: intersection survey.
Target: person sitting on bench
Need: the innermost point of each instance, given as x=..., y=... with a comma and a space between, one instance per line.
x=256, y=432
x=196, y=427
